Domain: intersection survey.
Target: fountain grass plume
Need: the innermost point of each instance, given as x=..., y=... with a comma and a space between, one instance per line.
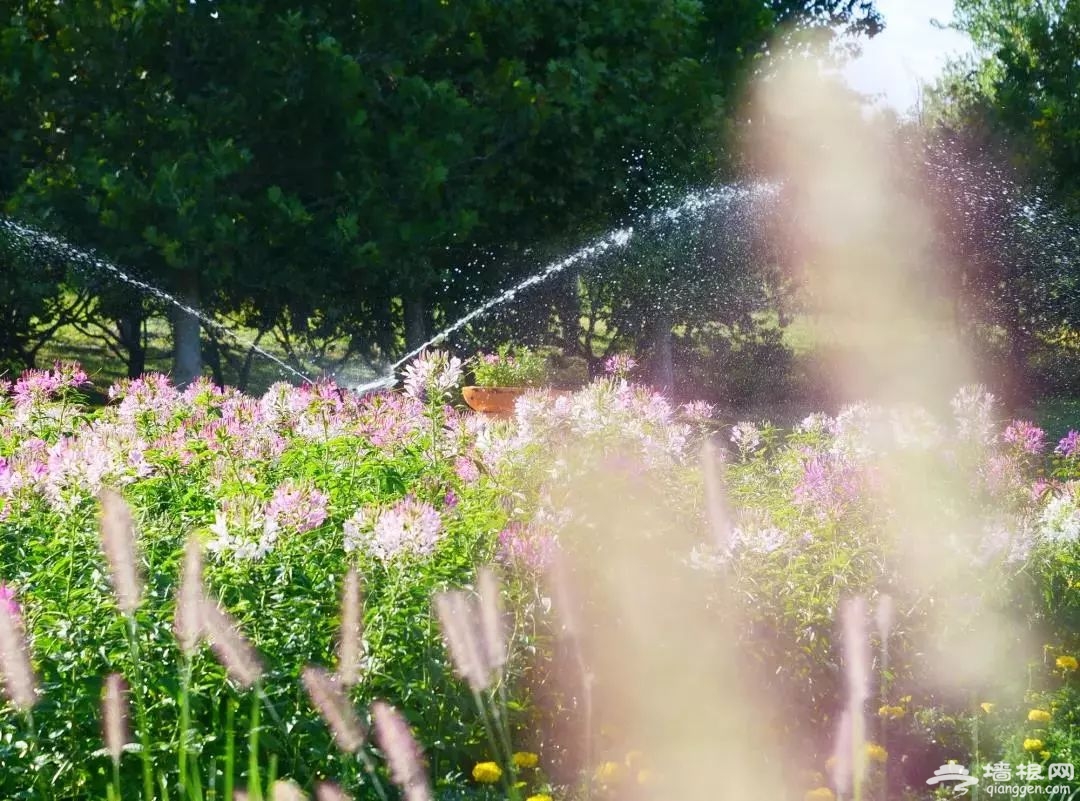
x=114, y=716
x=558, y=576
x=350, y=639
x=328, y=791
x=491, y=615
x=114, y=727
x=842, y=771
x=856, y=647
x=716, y=504
x=286, y=790
x=335, y=709
x=238, y=656
x=187, y=623
x=856, y=650
x=457, y=622
x=20, y=684
x=883, y=618
x=407, y=769
x=118, y=544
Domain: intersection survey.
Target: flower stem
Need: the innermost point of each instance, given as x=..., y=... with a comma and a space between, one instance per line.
x=140, y=710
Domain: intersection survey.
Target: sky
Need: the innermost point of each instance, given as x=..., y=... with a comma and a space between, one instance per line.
x=909, y=51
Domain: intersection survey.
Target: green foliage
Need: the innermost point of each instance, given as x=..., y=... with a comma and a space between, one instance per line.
x=320, y=171
x=519, y=367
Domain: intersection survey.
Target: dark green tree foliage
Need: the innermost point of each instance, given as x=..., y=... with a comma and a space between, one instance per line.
x=323, y=168
x=1006, y=146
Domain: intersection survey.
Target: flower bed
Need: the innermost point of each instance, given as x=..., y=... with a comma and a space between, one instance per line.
x=608, y=513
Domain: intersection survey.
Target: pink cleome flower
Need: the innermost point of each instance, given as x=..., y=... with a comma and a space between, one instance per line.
x=466, y=469
x=1026, y=436
x=620, y=365
x=527, y=547
x=8, y=601
x=408, y=528
x=431, y=375
x=297, y=507
x=1069, y=444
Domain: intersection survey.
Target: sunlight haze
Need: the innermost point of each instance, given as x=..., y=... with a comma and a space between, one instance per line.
x=909, y=52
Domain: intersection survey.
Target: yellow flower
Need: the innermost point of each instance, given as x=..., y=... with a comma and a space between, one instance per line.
x=891, y=712
x=608, y=772
x=633, y=758
x=525, y=759
x=487, y=772
x=645, y=776
x=987, y=707
x=875, y=753
x=540, y=797
x=1067, y=663
x=1044, y=754
x=1032, y=744
x=820, y=794
x=1039, y=716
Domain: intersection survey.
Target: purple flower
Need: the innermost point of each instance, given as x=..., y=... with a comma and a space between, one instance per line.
x=620, y=365
x=528, y=547
x=746, y=436
x=1026, y=436
x=466, y=470
x=829, y=484
x=36, y=385
x=71, y=374
x=409, y=527
x=698, y=411
x=1068, y=444
x=7, y=598
x=1040, y=488
x=40, y=385
x=297, y=508
x=431, y=376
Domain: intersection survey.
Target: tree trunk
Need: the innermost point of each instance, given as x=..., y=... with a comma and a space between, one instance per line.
x=415, y=322
x=213, y=358
x=568, y=307
x=187, y=348
x=663, y=354
x=129, y=329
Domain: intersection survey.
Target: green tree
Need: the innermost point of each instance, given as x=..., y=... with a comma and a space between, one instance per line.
x=323, y=169
x=1004, y=141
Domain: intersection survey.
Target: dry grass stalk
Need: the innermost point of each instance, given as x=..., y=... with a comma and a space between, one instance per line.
x=233, y=651
x=118, y=543
x=491, y=614
x=114, y=716
x=286, y=790
x=335, y=708
x=407, y=769
x=328, y=791
x=20, y=684
x=188, y=624
x=458, y=627
x=350, y=642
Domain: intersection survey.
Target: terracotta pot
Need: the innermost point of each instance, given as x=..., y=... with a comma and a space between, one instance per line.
x=492, y=400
